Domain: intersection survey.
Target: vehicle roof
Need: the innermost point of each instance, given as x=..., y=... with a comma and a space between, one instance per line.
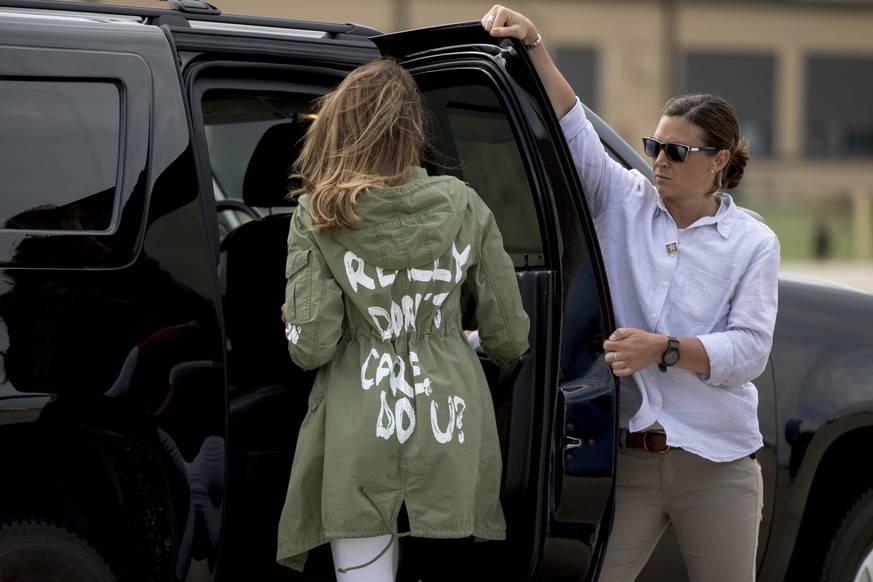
x=189, y=13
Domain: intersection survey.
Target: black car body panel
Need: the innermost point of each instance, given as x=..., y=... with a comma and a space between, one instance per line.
x=150, y=408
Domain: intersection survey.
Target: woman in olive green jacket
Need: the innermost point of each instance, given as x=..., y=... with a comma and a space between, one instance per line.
x=400, y=414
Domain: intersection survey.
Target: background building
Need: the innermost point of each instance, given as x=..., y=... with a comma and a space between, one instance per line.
x=799, y=72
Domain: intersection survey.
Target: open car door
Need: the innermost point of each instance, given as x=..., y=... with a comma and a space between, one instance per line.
x=556, y=409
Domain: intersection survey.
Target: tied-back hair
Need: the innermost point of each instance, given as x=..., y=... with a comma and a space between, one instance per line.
x=369, y=131
x=718, y=123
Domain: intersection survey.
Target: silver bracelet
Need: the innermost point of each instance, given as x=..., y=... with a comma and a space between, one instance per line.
x=535, y=43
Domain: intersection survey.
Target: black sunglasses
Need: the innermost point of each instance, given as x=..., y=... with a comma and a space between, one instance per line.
x=676, y=152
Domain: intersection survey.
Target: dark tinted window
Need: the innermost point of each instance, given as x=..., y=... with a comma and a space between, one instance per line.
x=59, y=148
x=481, y=148
x=747, y=81
x=839, y=106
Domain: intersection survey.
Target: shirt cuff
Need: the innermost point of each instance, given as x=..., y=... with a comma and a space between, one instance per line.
x=573, y=122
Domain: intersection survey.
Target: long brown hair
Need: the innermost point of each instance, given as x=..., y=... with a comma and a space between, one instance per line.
x=368, y=133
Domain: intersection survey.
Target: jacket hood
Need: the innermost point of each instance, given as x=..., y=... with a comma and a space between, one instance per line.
x=408, y=226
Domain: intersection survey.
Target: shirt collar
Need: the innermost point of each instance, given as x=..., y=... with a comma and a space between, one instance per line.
x=725, y=217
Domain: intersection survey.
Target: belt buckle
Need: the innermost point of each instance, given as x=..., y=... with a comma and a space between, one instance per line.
x=646, y=445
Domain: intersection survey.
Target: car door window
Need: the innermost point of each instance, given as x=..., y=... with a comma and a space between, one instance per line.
x=73, y=146
x=477, y=144
x=71, y=127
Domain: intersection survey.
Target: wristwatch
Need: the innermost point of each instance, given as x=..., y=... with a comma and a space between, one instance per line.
x=671, y=356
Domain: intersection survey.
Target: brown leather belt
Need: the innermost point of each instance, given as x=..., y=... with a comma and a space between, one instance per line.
x=651, y=441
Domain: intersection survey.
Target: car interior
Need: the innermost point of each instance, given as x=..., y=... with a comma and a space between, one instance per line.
x=254, y=137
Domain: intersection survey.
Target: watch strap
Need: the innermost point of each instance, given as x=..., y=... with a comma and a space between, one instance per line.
x=672, y=344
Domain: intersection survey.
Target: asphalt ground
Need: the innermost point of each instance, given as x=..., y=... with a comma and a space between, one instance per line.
x=854, y=274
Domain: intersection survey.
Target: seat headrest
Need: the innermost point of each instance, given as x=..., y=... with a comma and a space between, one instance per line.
x=266, y=181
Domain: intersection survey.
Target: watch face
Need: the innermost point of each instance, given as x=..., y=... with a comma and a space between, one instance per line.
x=671, y=357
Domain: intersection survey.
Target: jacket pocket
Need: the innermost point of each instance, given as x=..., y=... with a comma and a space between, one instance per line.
x=298, y=291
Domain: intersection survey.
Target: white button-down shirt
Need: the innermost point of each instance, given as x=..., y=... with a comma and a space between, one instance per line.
x=717, y=283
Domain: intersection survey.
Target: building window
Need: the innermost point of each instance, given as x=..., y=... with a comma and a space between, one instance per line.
x=747, y=82
x=579, y=67
x=839, y=107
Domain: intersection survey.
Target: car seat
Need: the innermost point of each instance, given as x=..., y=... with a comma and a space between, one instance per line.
x=268, y=391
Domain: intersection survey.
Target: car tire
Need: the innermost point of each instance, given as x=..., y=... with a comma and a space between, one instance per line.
x=849, y=557
x=37, y=549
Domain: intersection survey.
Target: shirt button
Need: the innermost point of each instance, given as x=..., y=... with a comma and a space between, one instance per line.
x=654, y=316
x=663, y=283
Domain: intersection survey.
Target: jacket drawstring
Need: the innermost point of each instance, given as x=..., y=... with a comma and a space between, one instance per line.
x=394, y=537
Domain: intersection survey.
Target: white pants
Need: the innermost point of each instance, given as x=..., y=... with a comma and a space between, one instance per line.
x=348, y=553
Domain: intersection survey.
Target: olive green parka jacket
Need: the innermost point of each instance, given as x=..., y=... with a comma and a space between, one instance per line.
x=400, y=412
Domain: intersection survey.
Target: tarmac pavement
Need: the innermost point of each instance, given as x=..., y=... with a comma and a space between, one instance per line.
x=854, y=274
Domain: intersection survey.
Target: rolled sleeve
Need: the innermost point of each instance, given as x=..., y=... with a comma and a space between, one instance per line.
x=740, y=353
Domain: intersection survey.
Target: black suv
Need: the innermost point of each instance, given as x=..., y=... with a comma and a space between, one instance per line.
x=149, y=409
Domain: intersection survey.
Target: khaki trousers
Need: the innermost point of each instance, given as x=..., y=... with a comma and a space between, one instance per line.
x=715, y=509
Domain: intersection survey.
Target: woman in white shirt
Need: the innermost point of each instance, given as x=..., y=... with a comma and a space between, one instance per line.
x=694, y=288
